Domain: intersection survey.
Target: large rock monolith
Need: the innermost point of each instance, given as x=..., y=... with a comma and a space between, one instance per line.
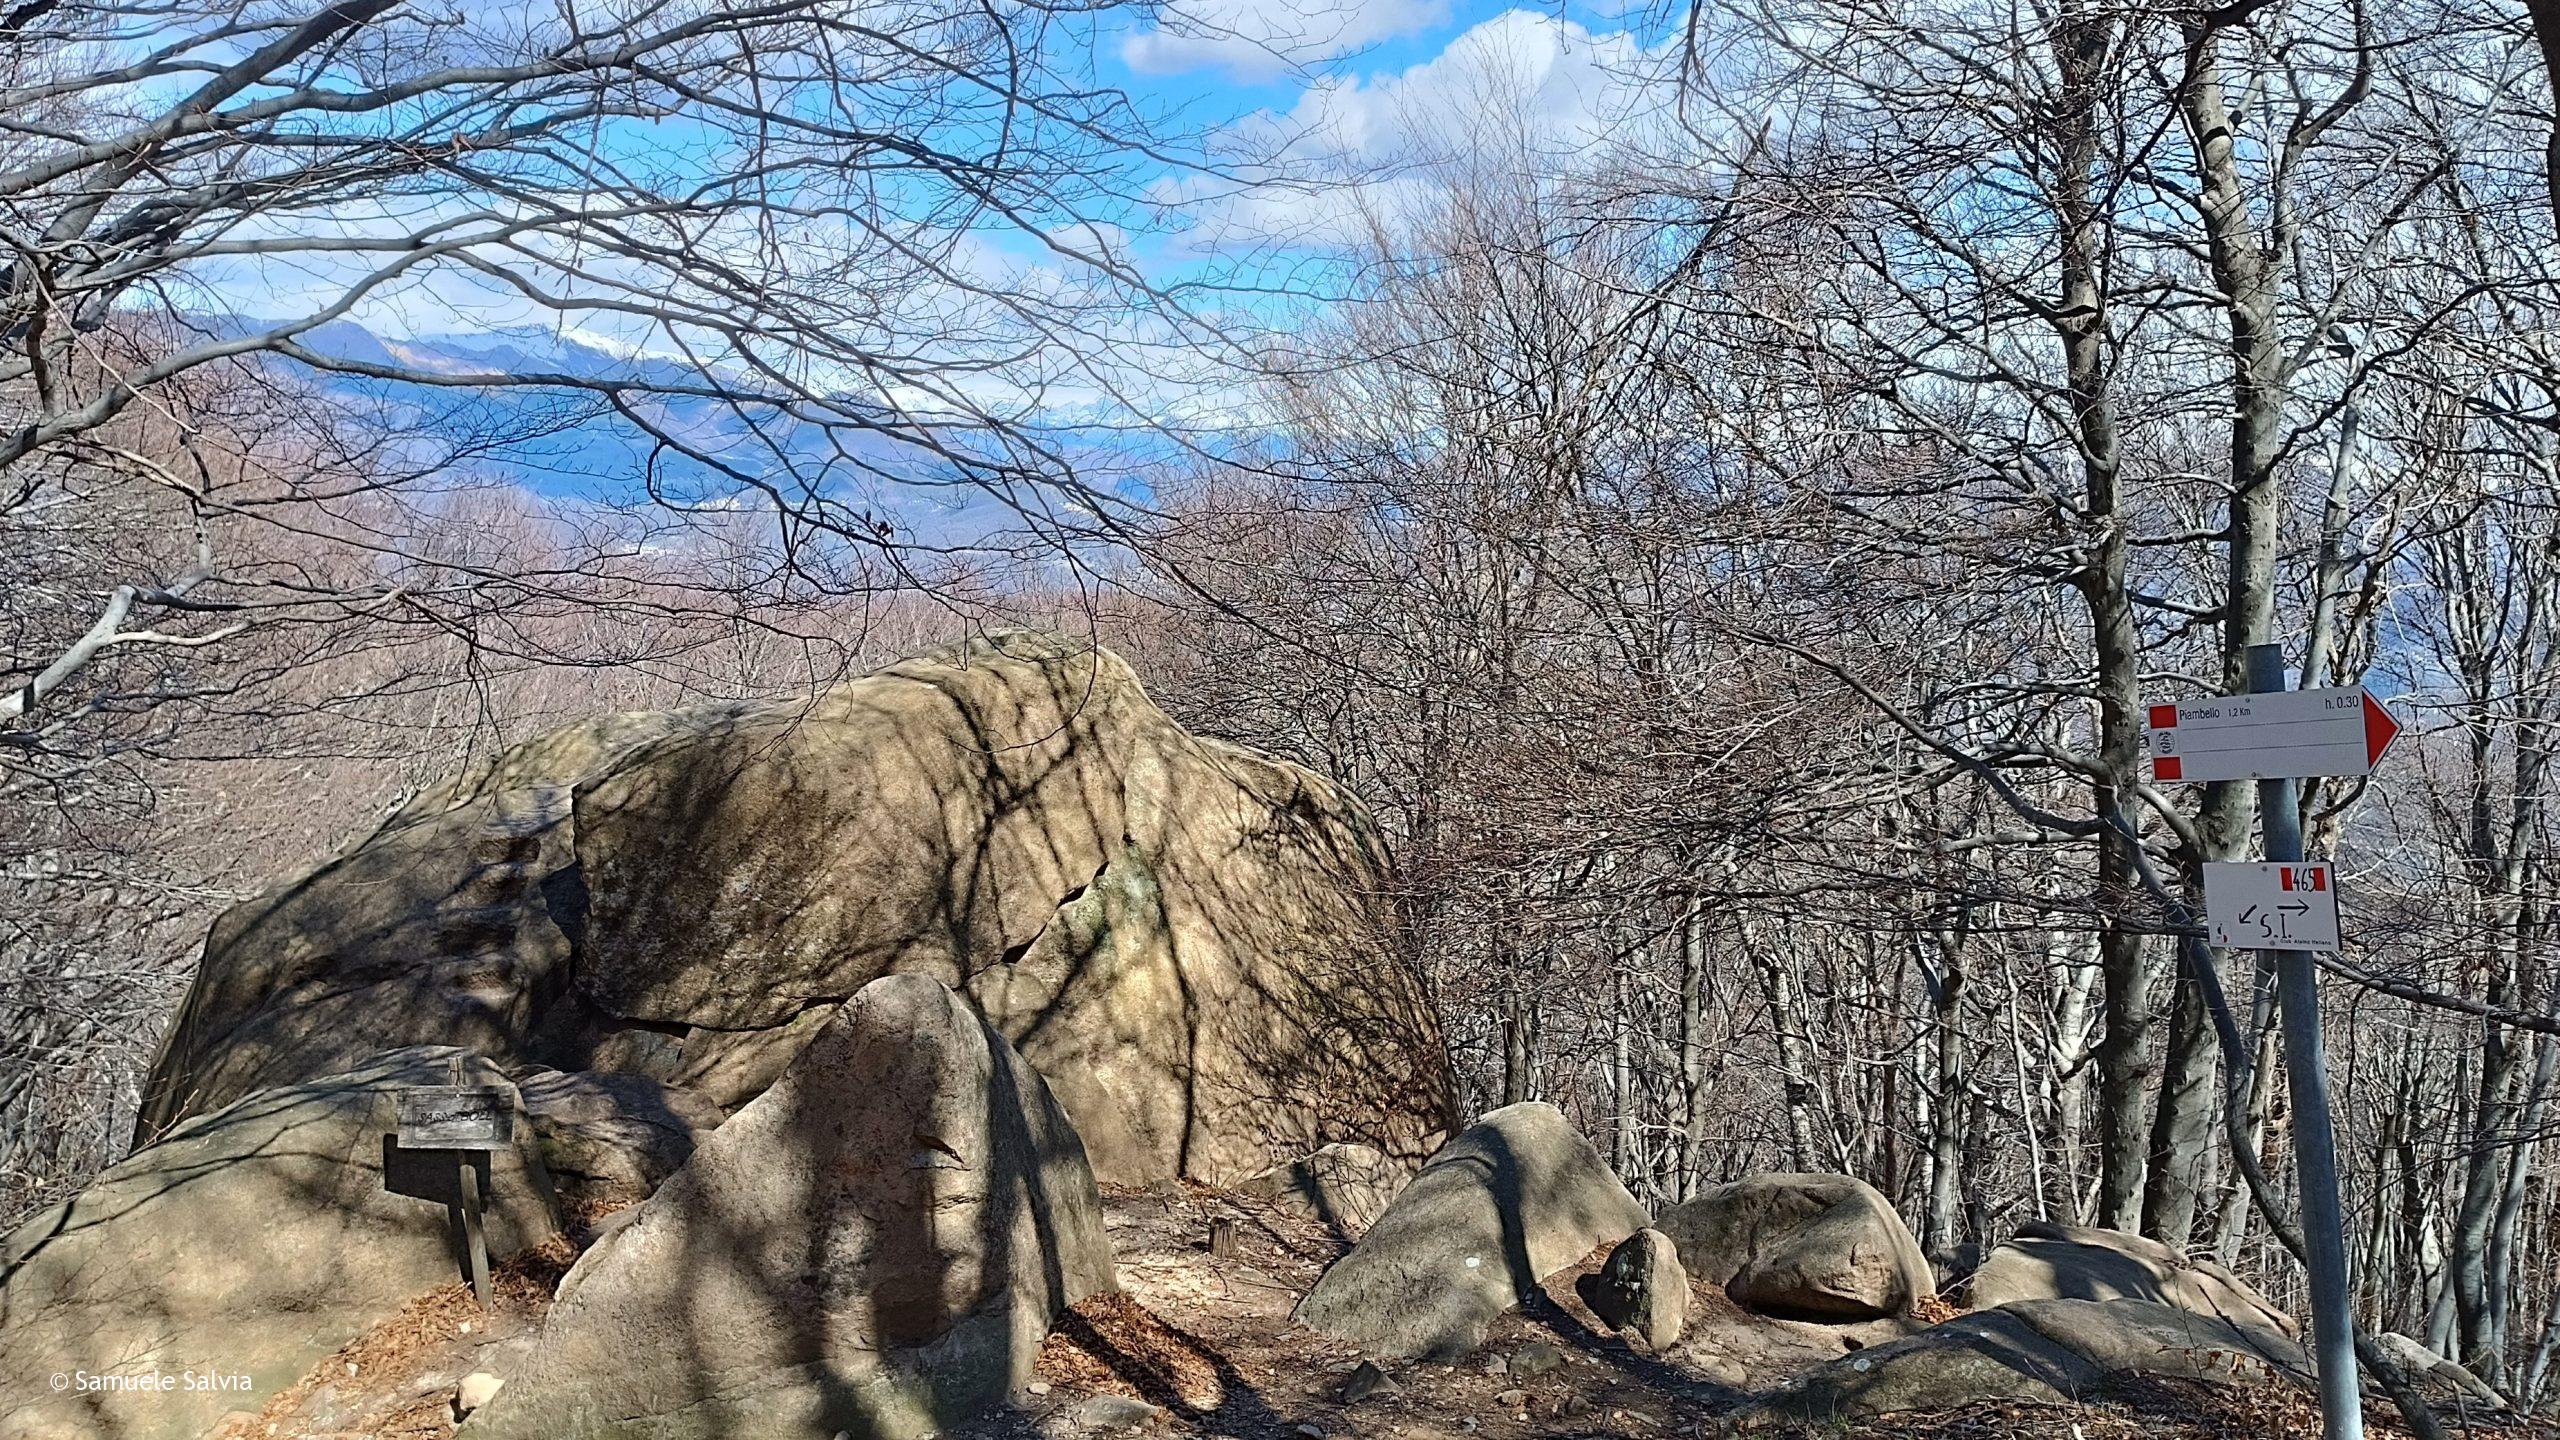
x=1186, y=937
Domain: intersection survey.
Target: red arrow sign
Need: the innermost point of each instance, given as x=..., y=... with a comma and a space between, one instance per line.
x=2379, y=730
x=2281, y=734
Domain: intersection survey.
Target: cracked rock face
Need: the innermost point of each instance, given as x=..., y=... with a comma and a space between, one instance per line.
x=1182, y=935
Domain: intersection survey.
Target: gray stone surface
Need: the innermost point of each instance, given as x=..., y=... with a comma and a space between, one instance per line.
x=1518, y=1196
x=874, y=1246
x=2044, y=1351
x=251, y=1241
x=1854, y=1261
x=1183, y=935
x=1641, y=1289
x=1802, y=1246
x=2445, y=1380
x=1346, y=1186
x=609, y=1138
x=2068, y=1262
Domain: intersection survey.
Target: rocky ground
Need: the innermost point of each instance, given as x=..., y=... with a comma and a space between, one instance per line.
x=1201, y=1344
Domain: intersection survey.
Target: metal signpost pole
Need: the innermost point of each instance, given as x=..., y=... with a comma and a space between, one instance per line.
x=2315, y=1143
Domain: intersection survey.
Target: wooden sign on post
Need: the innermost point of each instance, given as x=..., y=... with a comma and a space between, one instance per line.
x=457, y=1117
x=461, y=1118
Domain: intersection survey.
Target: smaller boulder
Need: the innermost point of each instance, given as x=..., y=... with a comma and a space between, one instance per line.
x=2072, y=1262
x=1517, y=1197
x=1641, y=1289
x=2047, y=1352
x=1534, y=1359
x=1115, y=1412
x=1854, y=1261
x=2446, y=1379
x=1826, y=1248
x=876, y=1245
x=1367, y=1379
x=1347, y=1187
x=1720, y=1228
x=262, y=1235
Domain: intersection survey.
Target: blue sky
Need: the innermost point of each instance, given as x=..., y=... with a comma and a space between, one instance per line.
x=1368, y=93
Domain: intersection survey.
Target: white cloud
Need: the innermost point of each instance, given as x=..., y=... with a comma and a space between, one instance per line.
x=1261, y=39
x=1521, y=89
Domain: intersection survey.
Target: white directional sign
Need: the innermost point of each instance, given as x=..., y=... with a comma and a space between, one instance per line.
x=2272, y=906
x=2280, y=735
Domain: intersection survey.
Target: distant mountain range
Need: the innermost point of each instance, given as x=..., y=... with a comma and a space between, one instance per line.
x=564, y=442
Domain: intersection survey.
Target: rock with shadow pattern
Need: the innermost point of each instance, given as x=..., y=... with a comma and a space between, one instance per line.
x=875, y=1246
x=1641, y=1290
x=1187, y=937
x=241, y=1249
x=1518, y=1196
x=2037, y=1351
x=2045, y=1261
x=609, y=1138
x=1802, y=1247
x=1343, y=1186
x=2447, y=1381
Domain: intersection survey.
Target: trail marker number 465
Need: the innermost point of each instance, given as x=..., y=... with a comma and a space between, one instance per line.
x=2290, y=905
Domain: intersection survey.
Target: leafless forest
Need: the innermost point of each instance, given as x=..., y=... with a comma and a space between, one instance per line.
x=1732, y=560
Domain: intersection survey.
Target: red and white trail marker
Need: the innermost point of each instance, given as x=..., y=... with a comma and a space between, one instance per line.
x=2276, y=905
x=2278, y=735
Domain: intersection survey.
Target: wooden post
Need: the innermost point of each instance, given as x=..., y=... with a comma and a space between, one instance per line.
x=1222, y=1237
x=474, y=1239
x=466, y=1210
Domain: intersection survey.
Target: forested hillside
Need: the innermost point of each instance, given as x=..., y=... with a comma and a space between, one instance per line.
x=1724, y=487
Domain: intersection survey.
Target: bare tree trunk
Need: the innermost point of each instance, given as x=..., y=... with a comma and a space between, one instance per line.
x=1795, y=1054
x=2084, y=42
x=1942, y=1223
x=1693, y=1047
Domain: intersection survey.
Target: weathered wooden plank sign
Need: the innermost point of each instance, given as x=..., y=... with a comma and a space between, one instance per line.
x=457, y=1117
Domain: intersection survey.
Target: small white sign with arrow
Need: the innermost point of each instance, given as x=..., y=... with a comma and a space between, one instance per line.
x=2272, y=905
x=2279, y=735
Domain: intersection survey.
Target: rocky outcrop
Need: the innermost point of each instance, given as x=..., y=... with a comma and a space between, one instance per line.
x=1806, y=1247
x=246, y=1245
x=1181, y=934
x=2444, y=1381
x=1345, y=1187
x=875, y=1247
x=2040, y=1351
x=2070, y=1262
x=609, y=1139
x=1641, y=1290
x=1518, y=1196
